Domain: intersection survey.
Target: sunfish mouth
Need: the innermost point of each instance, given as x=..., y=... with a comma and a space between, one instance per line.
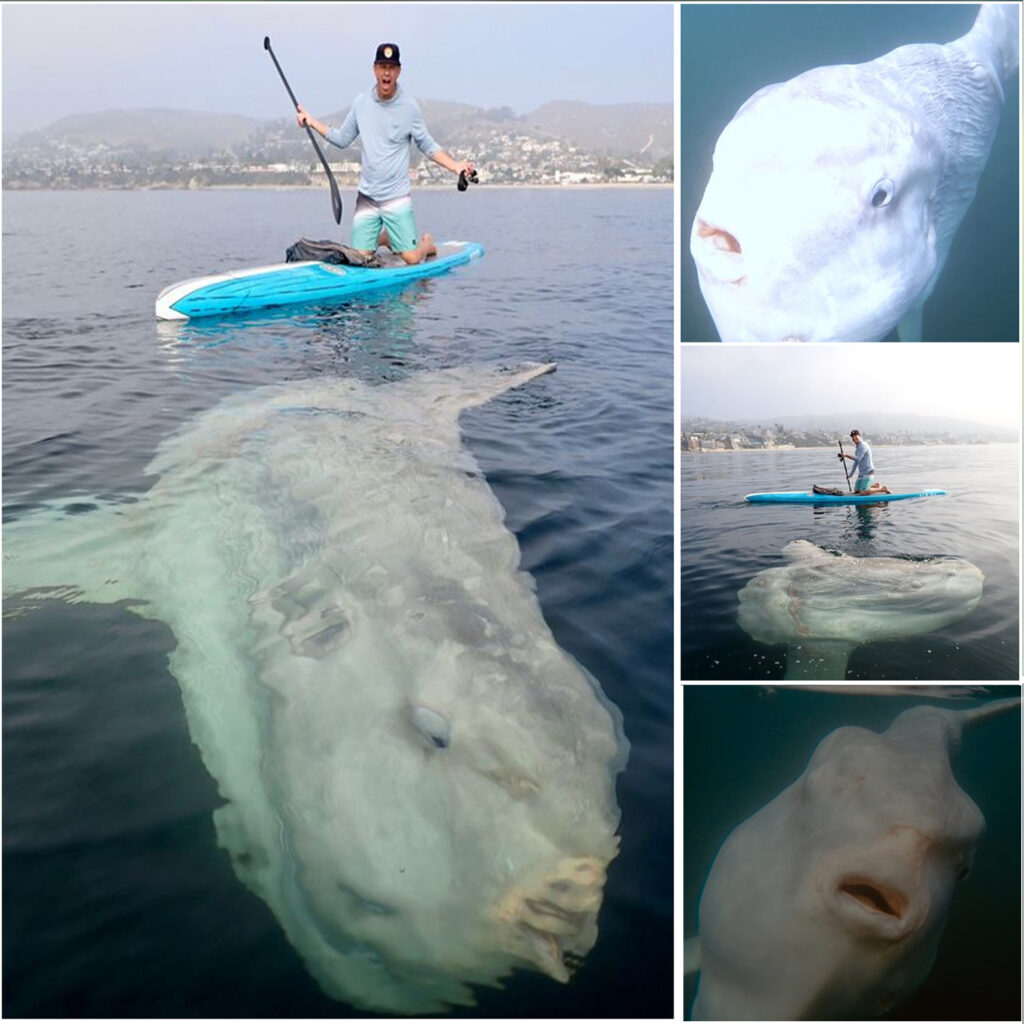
x=718, y=252
x=874, y=897
x=717, y=237
x=875, y=909
x=552, y=919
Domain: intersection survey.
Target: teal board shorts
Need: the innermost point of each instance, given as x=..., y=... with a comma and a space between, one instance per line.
x=863, y=483
x=394, y=214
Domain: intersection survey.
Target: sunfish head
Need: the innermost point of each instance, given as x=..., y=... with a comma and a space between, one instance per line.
x=817, y=222
x=446, y=838
x=830, y=902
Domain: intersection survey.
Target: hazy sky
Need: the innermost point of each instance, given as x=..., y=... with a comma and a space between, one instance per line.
x=71, y=58
x=978, y=382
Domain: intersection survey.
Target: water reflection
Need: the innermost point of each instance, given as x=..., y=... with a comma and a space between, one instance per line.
x=346, y=331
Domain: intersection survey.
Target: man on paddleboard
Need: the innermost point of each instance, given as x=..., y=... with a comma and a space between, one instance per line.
x=386, y=119
x=861, y=459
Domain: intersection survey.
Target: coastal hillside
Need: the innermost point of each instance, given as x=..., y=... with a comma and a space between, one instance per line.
x=558, y=143
x=184, y=132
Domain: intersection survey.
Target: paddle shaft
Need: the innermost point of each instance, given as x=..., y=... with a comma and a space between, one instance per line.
x=335, y=193
x=843, y=454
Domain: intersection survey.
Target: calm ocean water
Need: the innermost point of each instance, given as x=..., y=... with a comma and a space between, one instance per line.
x=742, y=747
x=726, y=541
x=117, y=900
x=729, y=51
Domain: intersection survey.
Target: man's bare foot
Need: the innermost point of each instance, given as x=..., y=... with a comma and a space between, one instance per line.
x=423, y=251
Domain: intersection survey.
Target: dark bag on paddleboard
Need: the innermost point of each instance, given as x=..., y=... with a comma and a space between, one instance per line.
x=834, y=491
x=326, y=251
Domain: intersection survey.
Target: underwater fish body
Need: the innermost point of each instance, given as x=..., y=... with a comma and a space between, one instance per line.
x=419, y=782
x=824, y=605
x=830, y=902
x=835, y=196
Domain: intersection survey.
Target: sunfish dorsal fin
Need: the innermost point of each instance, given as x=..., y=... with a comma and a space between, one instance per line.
x=463, y=387
x=994, y=39
x=929, y=722
x=803, y=551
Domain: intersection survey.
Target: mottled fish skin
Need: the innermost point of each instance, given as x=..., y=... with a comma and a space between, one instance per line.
x=418, y=780
x=835, y=196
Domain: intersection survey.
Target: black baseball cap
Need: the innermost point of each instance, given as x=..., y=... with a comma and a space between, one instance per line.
x=387, y=53
x=854, y=431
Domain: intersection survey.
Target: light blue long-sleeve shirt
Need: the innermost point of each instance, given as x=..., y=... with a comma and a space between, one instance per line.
x=385, y=130
x=862, y=460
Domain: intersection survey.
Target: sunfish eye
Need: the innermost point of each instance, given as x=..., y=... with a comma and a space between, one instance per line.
x=882, y=192
x=434, y=727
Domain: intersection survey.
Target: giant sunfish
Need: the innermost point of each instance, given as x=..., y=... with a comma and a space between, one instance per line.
x=829, y=903
x=824, y=605
x=835, y=196
x=418, y=781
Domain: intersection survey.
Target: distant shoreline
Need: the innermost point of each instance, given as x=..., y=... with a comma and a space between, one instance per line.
x=432, y=187
x=818, y=448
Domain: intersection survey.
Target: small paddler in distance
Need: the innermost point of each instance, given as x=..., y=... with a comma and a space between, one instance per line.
x=861, y=459
x=386, y=119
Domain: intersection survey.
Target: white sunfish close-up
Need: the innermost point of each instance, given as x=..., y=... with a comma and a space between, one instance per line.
x=835, y=196
x=831, y=901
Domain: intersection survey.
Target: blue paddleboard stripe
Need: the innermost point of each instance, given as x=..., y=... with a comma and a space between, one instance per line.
x=808, y=498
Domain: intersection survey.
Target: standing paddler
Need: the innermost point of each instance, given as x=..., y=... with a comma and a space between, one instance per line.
x=386, y=119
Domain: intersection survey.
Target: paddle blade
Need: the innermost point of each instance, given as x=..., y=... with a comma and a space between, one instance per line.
x=335, y=201
x=266, y=42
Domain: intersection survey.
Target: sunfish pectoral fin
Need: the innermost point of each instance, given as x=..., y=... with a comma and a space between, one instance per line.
x=71, y=550
x=909, y=328
x=249, y=858
x=817, y=659
x=691, y=955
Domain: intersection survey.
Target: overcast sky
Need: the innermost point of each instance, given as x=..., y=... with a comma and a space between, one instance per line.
x=62, y=59
x=979, y=382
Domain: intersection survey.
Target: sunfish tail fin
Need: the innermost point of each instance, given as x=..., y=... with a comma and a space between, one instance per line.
x=995, y=38
x=67, y=550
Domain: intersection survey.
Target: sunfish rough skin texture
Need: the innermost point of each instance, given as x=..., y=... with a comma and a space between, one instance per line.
x=830, y=901
x=824, y=605
x=419, y=782
x=835, y=196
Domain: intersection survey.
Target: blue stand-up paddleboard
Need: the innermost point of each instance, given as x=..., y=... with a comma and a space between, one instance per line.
x=286, y=284
x=809, y=498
